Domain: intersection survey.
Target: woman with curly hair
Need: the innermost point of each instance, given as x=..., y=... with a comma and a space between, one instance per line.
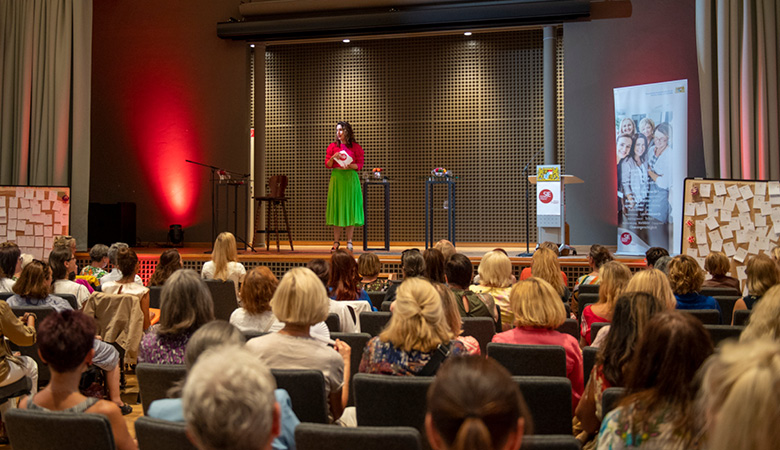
x=170, y=261
x=686, y=278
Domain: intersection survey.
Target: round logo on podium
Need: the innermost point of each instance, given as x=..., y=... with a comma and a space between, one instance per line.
x=545, y=196
x=625, y=238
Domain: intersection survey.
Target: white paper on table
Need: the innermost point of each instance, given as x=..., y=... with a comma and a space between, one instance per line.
x=13, y=213
x=704, y=250
x=720, y=188
x=345, y=159
x=760, y=188
x=45, y=205
x=743, y=206
x=729, y=204
x=776, y=227
x=11, y=236
x=750, y=226
x=766, y=209
x=742, y=273
x=712, y=209
x=711, y=222
x=714, y=235
x=774, y=200
x=701, y=236
x=734, y=192
x=726, y=232
x=692, y=252
x=39, y=241
x=746, y=192
x=758, y=198
x=701, y=209
x=705, y=190
x=725, y=216
x=58, y=229
x=40, y=195
x=36, y=207
x=2, y=201
x=48, y=242
x=37, y=253
x=716, y=246
x=3, y=231
x=52, y=195
x=47, y=219
x=701, y=261
x=741, y=255
x=764, y=244
x=700, y=226
x=48, y=232
x=29, y=193
x=29, y=229
x=774, y=187
x=753, y=247
x=690, y=209
x=746, y=220
x=742, y=237
x=759, y=221
x=39, y=231
x=718, y=202
x=24, y=203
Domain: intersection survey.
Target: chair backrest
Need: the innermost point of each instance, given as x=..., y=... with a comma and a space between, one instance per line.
x=481, y=328
x=594, y=329
x=550, y=442
x=373, y=322
x=333, y=323
x=588, y=361
x=706, y=316
x=726, y=304
x=154, y=380
x=7, y=295
x=18, y=388
x=530, y=360
x=314, y=436
x=376, y=298
x=583, y=301
x=154, y=296
x=70, y=298
x=589, y=289
x=549, y=400
x=277, y=184
x=385, y=306
x=307, y=393
x=44, y=374
x=251, y=334
x=158, y=434
x=382, y=400
x=44, y=430
x=357, y=342
x=570, y=326
x=610, y=398
x=719, y=291
x=224, y=295
x=719, y=333
x=741, y=317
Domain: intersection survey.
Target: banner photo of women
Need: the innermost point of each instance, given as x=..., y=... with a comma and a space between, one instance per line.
x=651, y=136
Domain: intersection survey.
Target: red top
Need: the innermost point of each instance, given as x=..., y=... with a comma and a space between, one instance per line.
x=356, y=153
x=526, y=274
x=545, y=336
x=588, y=319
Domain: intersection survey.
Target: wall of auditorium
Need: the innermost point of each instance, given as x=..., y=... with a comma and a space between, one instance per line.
x=657, y=43
x=165, y=88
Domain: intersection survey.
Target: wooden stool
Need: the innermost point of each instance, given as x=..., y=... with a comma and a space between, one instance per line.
x=277, y=184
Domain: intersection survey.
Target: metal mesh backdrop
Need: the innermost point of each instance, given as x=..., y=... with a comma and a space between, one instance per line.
x=471, y=104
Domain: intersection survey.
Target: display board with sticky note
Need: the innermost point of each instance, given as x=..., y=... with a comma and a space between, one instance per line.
x=33, y=216
x=740, y=218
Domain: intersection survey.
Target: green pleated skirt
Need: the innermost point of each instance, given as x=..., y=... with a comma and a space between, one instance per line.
x=345, y=199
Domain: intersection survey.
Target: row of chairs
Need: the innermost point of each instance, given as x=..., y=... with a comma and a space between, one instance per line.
x=726, y=304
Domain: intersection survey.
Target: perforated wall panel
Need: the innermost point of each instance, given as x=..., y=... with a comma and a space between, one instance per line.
x=471, y=104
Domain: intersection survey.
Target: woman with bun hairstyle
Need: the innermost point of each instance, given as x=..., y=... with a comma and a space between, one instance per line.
x=597, y=256
x=127, y=262
x=473, y=404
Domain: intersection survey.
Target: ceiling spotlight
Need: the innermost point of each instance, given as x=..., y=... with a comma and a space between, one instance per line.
x=346, y=41
x=468, y=33
x=252, y=45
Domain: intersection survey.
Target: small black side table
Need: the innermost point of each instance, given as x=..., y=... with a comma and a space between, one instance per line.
x=429, y=186
x=386, y=184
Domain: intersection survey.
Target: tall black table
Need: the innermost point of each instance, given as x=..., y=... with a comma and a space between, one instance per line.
x=430, y=183
x=386, y=184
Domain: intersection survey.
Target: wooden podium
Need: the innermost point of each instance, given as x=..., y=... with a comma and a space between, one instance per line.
x=551, y=223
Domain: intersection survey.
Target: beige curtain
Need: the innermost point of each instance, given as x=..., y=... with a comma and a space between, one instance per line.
x=45, y=82
x=737, y=43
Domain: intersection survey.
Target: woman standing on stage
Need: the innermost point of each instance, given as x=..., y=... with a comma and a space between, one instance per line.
x=345, y=199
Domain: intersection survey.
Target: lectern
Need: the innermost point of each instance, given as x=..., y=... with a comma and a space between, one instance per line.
x=551, y=202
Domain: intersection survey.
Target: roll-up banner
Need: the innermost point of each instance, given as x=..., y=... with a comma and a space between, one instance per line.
x=651, y=147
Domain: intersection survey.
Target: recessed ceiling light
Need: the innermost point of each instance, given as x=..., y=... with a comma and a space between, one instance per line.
x=346, y=41
x=468, y=33
x=252, y=45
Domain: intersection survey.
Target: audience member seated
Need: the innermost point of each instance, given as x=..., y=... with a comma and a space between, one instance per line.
x=215, y=334
x=20, y=331
x=347, y=315
x=344, y=282
x=412, y=265
x=10, y=264
x=762, y=274
x=765, y=319
x=446, y=248
x=652, y=254
x=453, y=319
x=185, y=306
x=434, y=265
x=224, y=263
x=614, y=278
x=474, y=404
x=662, y=264
x=458, y=273
x=65, y=342
x=65, y=242
x=300, y=301
x=69, y=242
x=538, y=311
x=98, y=256
x=255, y=312
x=650, y=281
x=116, y=273
x=629, y=321
x=417, y=339
x=127, y=261
x=738, y=397
x=528, y=271
x=495, y=278
x=597, y=257
x=368, y=268
x=686, y=277
x=545, y=261
x=776, y=255
x=229, y=402
x=63, y=270
x=170, y=261
x=717, y=264
x=660, y=386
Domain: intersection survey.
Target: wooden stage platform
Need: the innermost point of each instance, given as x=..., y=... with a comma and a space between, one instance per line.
x=194, y=255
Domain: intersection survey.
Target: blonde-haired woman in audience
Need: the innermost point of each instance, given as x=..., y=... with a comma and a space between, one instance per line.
x=473, y=403
x=765, y=320
x=717, y=264
x=495, y=278
x=538, y=312
x=452, y=316
x=686, y=277
x=528, y=271
x=738, y=396
x=301, y=301
x=547, y=267
x=446, y=248
x=224, y=263
x=597, y=257
x=417, y=338
x=762, y=274
x=614, y=278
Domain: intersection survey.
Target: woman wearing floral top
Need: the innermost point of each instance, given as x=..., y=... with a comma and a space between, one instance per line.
x=416, y=332
x=660, y=387
x=185, y=305
x=368, y=268
x=98, y=256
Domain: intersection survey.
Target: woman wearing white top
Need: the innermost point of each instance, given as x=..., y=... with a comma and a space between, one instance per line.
x=63, y=263
x=10, y=263
x=127, y=262
x=224, y=263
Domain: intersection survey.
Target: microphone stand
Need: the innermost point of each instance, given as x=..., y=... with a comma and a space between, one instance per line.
x=527, y=210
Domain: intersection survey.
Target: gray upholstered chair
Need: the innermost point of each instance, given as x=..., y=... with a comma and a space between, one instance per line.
x=154, y=380
x=357, y=342
x=480, y=328
x=530, y=360
x=595, y=327
x=373, y=322
x=706, y=316
x=224, y=295
x=382, y=400
x=610, y=398
x=719, y=333
x=41, y=312
x=333, y=323
x=154, y=296
x=307, y=393
x=570, y=326
x=588, y=361
x=62, y=429
x=549, y=400
x=312, y=436
x=157, y=434
x=741, y=317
